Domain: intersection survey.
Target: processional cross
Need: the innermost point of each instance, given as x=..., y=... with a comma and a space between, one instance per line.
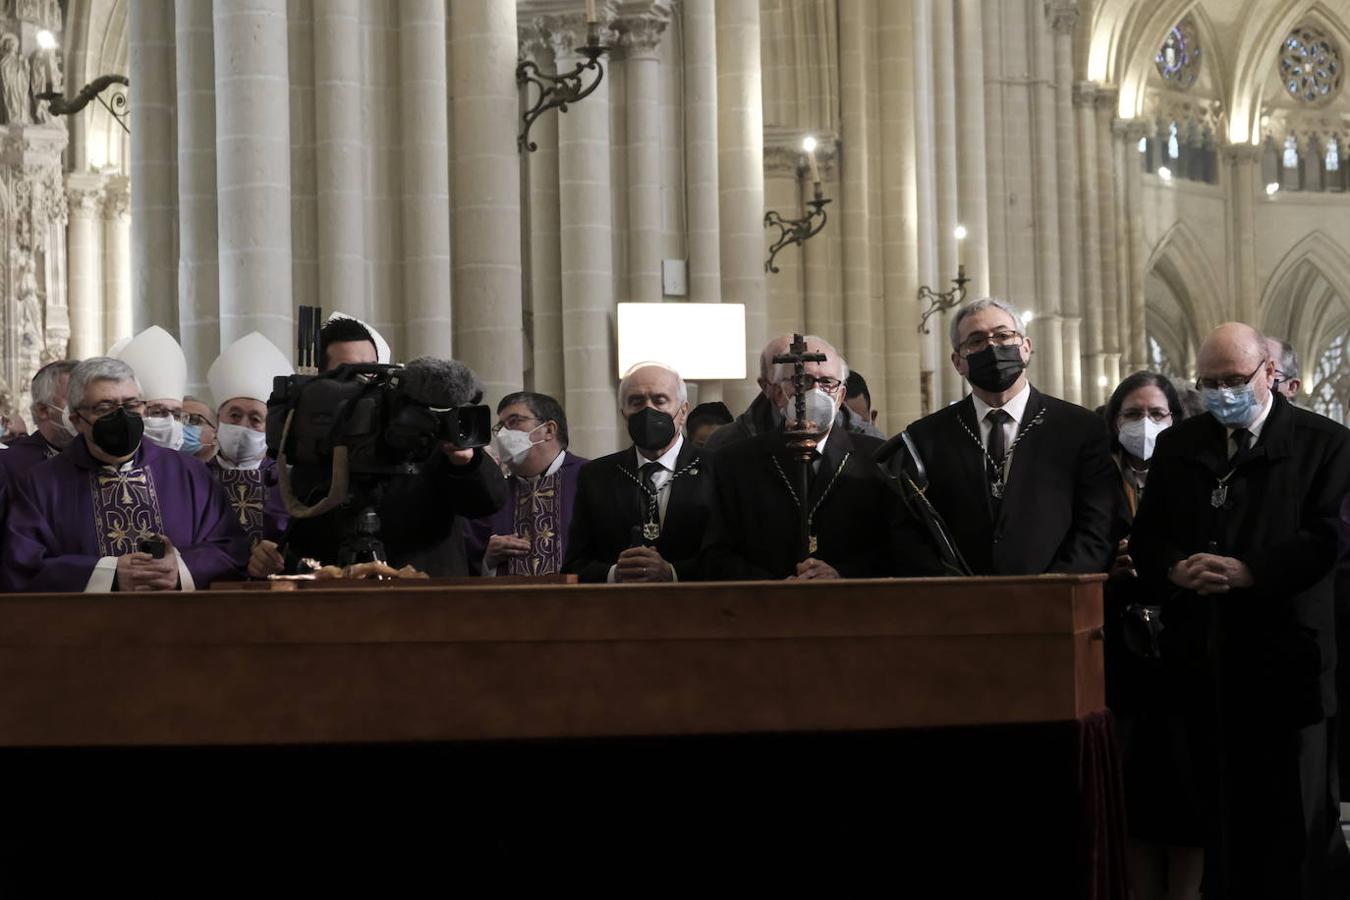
x=802, y=434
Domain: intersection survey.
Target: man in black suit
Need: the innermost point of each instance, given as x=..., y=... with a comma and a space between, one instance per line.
x=1237, y=529
x=1024, y=481
x=859, y=527
x=641, y=513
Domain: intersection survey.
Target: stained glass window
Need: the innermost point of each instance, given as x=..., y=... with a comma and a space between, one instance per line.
x=1158, y=361
x=1333, y=155
x=1173, y=145
x=1332, y=381
x=1310, y=65
x=1178, y=59
x=1290, y=153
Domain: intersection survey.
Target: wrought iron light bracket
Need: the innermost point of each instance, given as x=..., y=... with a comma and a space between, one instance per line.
x=557, y=91
x=58, y=105
x=941, y=301
x=794, y=231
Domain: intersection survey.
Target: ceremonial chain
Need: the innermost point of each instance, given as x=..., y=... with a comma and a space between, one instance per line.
x=998, y=487
x=651, y=530
x=811, y=516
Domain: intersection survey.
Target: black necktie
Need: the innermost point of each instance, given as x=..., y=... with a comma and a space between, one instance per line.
x=997, y=440
x=1243, y=439
x=649, y=479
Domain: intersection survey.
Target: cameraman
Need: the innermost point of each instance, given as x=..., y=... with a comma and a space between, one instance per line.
x=420, y=515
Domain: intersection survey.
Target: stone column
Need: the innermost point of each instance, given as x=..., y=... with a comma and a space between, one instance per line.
x=1135, y=349
x=486, y=192
x=253, y=169
x=784, y=192
x=1048, y=326
x=902, y=402
x=198, y=235
x=973, y=163
x=426, y=178
x=701, y=178
x=1110, y=237
x=84, y=198
x=544, y=265
x=587, y=264
x=1244, y=161
x=933, y=347
x=857, y=178
x=154, y=200
x=950, y=251
x=339, y=157
x=740, y=161
x=1094, y=365
x=116, y=261
x=640, y=36
x=1064, y=19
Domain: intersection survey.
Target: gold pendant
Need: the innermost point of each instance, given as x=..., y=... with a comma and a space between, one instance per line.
x=651, y=531
x=811, y=546
x=1219, y=496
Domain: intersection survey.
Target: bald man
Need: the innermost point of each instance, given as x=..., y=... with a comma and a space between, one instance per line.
x=641, y=513
x=1238, y=531
x=763, y=414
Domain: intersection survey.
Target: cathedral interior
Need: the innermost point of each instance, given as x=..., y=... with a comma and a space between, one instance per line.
x=1129, y=172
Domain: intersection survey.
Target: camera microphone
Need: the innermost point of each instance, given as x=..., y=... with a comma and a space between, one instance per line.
x=440, y=383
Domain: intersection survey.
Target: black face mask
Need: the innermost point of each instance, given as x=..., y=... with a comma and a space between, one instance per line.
x=118, y=433
x=651, y=429
x=994, y=369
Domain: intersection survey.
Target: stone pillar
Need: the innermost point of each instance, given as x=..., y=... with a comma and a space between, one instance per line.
x=640, y=36
x=1244, y=162
x=784, y=191
x=154, y=200
x=973, y=164
x=933, y=346
x=701, y=179
x=1063, y=20
x=901, y=402
x=84, y=198
x=1094, y=365
x=116, y=262
x=1048, y=325
x=996, y=97
x=740, y=161
x=486, y=192
x=1135, y=349
x=253, y=169
x=857, y=178
x=339, y=157
x=544, y=267
x=426, y=179
x=1110, y=237
x=198, y=235
x=587, y=264
x=950, y=251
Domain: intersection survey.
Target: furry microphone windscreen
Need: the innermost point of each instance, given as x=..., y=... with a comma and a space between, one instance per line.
x=440, y=383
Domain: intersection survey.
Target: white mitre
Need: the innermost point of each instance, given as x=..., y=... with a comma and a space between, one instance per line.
x=246, y=369
x=382, y=354
x=159, y=364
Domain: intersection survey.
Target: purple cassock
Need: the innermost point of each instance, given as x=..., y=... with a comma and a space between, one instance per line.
x=540, y=510
x=71, y=517
x=255, y=498
x=20, y=455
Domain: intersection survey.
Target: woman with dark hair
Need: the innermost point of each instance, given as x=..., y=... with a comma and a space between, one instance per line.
x=1165, y=829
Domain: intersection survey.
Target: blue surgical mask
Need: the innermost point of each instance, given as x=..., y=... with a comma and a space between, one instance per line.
x=192, y=439
x=1233, y=407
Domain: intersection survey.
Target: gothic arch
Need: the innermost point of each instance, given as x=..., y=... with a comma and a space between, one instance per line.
x=1307, y=297
x=95, y=43
x=1180, y=258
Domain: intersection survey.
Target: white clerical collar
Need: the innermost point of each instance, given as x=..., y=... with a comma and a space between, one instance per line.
x=552, y=469
x=1255, y=427
x=226, y=464
x=1015, y=407
x=820, y=444
x=667, y=459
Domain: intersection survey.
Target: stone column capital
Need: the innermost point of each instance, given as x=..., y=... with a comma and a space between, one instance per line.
x=1084, y=93
x=783, y=153
x=566, y=32
x=641, y=26
x=1237, y=154
x=117, y=199
x=1131, y=130
x=1063, y=16
x=1106, y=98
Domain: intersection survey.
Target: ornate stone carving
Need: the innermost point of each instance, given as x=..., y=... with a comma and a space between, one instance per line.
x=1106, y=98
x=84, y=202
x=783, y=154
x=117, y=199
x=1063, y=15
x=1241, y=153
x=14, y=78
x=1084, y=93
x=44, y=68
x=1131, y=130
x=640, y=35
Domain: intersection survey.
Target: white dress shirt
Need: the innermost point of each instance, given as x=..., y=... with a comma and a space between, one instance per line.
x=661, y=478
x=1016, y=407
x=1254, y=428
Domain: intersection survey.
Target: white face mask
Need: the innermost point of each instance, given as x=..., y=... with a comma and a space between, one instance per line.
x=512, y=446
x=67, y=425
x=820, y=408
x=164, y=431
x=243, y=447
x=1138, y=438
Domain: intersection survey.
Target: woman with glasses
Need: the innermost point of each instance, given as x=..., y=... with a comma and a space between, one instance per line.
x=1165, y=831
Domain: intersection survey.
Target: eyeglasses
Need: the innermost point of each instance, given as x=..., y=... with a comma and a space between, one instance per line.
x=163, y=412
x=513, y=422
x=1157, y=415
x=824, y=382
x=108, y=407
x=977, y=342
x=1229, y=381
x=197, y=420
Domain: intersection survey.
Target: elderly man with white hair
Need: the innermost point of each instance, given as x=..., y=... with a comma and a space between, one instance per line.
x=114, y=511
x=858, y=527
x=641, y=513
x=1024, y=481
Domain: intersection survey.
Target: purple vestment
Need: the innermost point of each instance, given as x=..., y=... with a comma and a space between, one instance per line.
x=255, y=498
x=70, y=512
x=540, y=511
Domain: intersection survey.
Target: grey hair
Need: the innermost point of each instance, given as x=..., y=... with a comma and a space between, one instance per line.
x=784, y=370
x=1288, y=358
x=976, y=306
x=97, y=368
x=45, y=382
x=682, y=389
